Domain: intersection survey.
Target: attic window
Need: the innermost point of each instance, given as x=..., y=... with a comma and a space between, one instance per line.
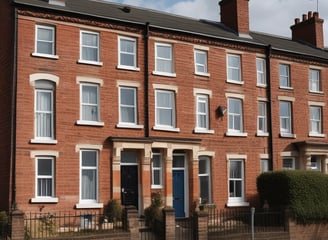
x=58, y=2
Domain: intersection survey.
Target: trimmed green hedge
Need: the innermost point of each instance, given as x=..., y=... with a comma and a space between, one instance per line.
x=305, y=193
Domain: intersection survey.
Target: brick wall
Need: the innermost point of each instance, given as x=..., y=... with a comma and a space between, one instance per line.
x=307, y=232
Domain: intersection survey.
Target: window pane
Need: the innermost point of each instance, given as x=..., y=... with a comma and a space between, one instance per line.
x=90, y=103
x=44, y=187
x=44, y=114
x=89, y=184
x=45, y=40
x=90, y=46
x=204, y=189
x=164, y=59
x=235, y=169
x=178, y=161
x=127, y=52
x=89, y=158
x=128, y=96
x=45, y=167
x=284, y=75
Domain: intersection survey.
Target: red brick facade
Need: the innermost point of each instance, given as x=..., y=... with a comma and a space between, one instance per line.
x=110, y=140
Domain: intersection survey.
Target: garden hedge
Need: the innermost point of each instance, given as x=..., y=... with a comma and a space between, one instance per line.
x=305, y=193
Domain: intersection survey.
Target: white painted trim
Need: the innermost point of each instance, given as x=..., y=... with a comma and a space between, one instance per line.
x=49, y=153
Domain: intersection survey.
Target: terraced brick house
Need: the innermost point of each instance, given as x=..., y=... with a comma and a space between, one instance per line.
x=105, y=101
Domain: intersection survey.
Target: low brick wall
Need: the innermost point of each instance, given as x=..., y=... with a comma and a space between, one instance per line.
x=308, y=232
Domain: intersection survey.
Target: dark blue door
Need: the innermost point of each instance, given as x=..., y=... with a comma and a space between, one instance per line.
x=178, y=193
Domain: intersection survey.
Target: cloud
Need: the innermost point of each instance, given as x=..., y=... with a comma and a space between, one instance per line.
x=269, y=16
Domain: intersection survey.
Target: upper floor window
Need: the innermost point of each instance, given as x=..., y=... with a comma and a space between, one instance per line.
x=201, y=62
x=157, y=170
x=164, y=59
x=234, y=68
x=314, y=81
x=284, y=73
x=204, y=178
x=128, y=105
x=127, y=53
x=235, y=115
x=262, y=118
x=315, y=120
x=261, y=71
x=202, y=113
x=89, y=176
x=45, y=40
x=285, y=117
x=45, y=177
x=90, y=102
x=165, y=109
x=89, y=47
x=44, y=110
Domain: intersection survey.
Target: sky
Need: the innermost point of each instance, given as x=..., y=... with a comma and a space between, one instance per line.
x=266, y=16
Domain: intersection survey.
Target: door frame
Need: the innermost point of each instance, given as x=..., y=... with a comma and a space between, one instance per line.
x=140, y=203
x=186, y=182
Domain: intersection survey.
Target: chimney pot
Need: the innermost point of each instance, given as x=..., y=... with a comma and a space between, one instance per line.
x=316, y=15
x=297, y=21
x=304, y=17
x=310, y=14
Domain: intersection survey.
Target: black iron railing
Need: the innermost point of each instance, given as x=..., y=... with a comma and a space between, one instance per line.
x=62, y=224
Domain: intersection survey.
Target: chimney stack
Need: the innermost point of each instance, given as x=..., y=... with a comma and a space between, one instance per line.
x=309, y=30
x=235, y=15
x=57, y=2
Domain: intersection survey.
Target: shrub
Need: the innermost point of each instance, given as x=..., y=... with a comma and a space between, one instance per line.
x=113, y=211
x=305, y=193
x=154, y=211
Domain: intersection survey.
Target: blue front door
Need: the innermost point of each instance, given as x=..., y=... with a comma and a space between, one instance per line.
x=178, y=193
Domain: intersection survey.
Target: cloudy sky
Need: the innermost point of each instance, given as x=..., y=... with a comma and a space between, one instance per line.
x=268, y=16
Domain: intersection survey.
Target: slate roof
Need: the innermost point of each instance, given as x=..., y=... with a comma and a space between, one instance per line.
x=140, y=16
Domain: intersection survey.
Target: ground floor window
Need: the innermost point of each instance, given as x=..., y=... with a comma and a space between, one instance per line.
x=204, y=176
x=89, y=175
x=288, y=163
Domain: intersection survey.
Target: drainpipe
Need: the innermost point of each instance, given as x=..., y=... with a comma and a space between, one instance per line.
x=13, y=122
x=146, y=80
x=269, y=91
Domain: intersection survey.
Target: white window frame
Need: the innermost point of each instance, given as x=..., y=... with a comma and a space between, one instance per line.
x=207, y=175
x=292, y=161
x=89, y=201
x=232, y=130
x=37, y=53
x=238, y=201
x=284, y=78
x=202, y=99
x=134, y=53
x=51, y=138
x=170, y=60
x=202, y=65
x=158, y=169
x=234, y=69
x=172, y=108
x=315, y=81
x=82, y=121
x=262, y=119
x=314, y=121
x=134, y=106
x=286, y=118
x=51, y=177
x=97, y=47
x=261, y=72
